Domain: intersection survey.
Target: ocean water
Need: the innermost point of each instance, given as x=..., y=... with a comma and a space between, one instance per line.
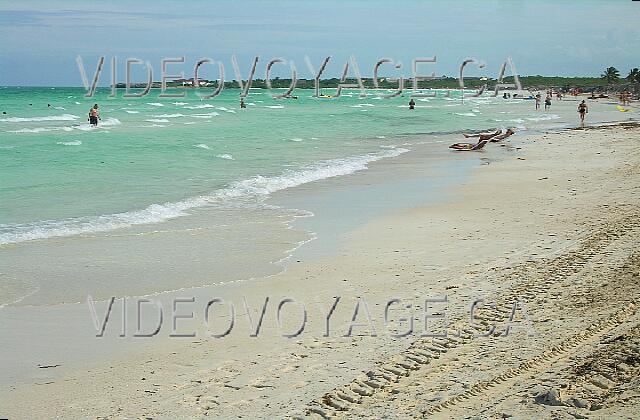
x=160, y=161
x=153, y=159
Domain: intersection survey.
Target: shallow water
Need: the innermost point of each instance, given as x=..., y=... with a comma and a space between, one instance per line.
x=170, y=193
x=155, y=158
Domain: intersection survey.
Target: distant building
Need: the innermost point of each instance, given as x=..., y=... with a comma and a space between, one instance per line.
x=184, y=82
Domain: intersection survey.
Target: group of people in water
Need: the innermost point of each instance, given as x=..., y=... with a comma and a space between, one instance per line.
x=547, y=100
x=583, y=109
x=483, y=138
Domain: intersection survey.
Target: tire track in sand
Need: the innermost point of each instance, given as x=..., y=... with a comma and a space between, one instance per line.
x=539, y=276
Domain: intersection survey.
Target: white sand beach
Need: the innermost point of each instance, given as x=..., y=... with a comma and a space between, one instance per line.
x=275, y=209
x=549, y=220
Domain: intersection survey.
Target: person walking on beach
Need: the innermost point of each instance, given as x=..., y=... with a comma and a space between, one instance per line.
x=94, y=115
x=412, y=104
x=583, y=109
x=547, y=102
x=537, y=101
x=624, y=97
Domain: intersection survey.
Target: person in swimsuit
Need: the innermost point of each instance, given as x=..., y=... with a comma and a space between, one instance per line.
x=547, y=102
x=583, y=109
x=537, y=101
x=483, y=136
x=94, y=115
x=412, y=104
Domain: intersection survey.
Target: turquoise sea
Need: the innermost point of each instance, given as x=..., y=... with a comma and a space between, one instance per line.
x=152, y=159
x=156, y=166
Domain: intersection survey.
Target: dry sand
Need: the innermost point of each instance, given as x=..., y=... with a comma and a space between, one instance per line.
x=551, y=221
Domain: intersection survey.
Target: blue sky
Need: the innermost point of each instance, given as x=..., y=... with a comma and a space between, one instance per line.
x=40, y=39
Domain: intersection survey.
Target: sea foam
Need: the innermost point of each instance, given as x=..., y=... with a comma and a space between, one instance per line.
x=545, y=117
x=206, y=116
x=109, y=122
x=64, y=117
x=170, y=116
x=41, y=129
x=70, y=143
x=199, y=106
x=257, y=187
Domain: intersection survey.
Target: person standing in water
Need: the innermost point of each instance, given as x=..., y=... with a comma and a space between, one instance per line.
x=537, y=101
x=583, y=109
x=94, y=115
x=547, y=102
x=412, y=104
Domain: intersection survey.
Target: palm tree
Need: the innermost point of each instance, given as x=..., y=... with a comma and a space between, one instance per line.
x=634, y=75
x=611, y=74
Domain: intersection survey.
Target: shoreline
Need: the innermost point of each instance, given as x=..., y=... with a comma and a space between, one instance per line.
x=456, y=247
x=180, y=222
